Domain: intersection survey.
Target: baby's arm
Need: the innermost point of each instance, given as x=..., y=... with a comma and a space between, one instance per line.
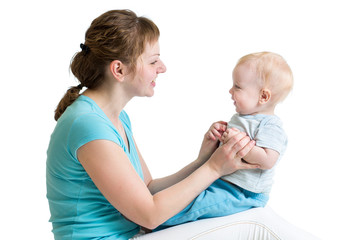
x=264, y=157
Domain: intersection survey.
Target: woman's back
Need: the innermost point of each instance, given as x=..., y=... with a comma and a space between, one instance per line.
x=78, y=209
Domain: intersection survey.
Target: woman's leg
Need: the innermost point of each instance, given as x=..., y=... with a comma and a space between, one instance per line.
x=255, y=224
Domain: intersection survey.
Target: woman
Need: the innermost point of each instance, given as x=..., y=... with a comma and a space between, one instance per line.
x=98, y=184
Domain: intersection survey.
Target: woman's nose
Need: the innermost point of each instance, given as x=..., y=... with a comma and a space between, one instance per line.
x=162, y=68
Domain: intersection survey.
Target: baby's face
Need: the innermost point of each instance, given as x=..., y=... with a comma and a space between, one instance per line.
x=246, y=89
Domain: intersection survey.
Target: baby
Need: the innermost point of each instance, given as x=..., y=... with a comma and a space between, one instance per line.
x=260, y=82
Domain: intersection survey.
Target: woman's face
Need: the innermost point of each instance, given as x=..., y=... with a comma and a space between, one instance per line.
x=148, y=67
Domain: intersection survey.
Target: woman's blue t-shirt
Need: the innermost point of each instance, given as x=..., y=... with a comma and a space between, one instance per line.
x=78, y=209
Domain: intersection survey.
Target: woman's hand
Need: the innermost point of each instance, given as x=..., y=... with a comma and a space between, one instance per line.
x=228, y=157
x=211, y=140
x=229, y=133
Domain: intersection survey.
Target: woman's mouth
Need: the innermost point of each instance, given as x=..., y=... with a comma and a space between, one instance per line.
x=153, y=83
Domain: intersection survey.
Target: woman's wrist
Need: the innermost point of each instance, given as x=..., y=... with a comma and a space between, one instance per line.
x=206, y=153
x=198, y=163
x=200, y=160
x=213, y=169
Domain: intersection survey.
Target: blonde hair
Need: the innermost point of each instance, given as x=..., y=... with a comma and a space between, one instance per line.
x=272, y=71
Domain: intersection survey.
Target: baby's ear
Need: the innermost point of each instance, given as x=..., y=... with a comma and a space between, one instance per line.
x=265, y=95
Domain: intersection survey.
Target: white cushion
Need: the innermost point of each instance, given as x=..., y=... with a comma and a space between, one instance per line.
x=254, y=224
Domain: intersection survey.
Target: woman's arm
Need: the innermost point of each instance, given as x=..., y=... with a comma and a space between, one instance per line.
x=110, y=169
x=264, y=157
x=209, y=145
x=156, y=185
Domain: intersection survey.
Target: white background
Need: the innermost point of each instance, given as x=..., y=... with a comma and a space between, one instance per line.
x=317, y=182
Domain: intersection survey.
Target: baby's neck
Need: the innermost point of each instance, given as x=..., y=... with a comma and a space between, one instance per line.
x=268, y=112
x=264, y=112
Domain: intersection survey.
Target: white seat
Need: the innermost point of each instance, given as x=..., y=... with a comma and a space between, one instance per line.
x=254, y=224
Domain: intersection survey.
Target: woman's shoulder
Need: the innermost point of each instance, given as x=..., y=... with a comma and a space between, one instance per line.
x=90, y=126
x=84, y=117
x=124, y=117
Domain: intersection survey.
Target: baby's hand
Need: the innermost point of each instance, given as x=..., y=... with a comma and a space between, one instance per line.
x=229, y=133
x=211, y=140
x=216, y=131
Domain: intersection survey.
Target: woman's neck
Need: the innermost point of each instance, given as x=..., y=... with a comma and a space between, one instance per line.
x=111, y=101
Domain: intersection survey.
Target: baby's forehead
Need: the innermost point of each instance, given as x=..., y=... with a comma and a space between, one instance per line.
x=248, y=67
x=245, y=73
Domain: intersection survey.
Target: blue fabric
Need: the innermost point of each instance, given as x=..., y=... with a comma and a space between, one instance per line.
x=219, y=199
x=78, y=209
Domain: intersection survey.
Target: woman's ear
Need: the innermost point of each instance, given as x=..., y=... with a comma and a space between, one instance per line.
x=118, y=69
x=265, y=95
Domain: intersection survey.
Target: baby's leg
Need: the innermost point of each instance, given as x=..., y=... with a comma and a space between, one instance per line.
x=219, y=199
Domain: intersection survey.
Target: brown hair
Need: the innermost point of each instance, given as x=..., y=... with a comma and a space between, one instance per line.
x=273, y=72
x=114, y=35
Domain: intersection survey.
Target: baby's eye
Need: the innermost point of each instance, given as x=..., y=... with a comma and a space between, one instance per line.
x=153, y=63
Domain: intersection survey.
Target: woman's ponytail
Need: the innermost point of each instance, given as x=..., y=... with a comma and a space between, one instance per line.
x=114, y=35
x=70, y=96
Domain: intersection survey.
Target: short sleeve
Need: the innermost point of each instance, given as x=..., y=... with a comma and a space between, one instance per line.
x=89, y=127
x=271, y=135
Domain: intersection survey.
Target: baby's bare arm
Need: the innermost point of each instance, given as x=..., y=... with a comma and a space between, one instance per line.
x=264, y=157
